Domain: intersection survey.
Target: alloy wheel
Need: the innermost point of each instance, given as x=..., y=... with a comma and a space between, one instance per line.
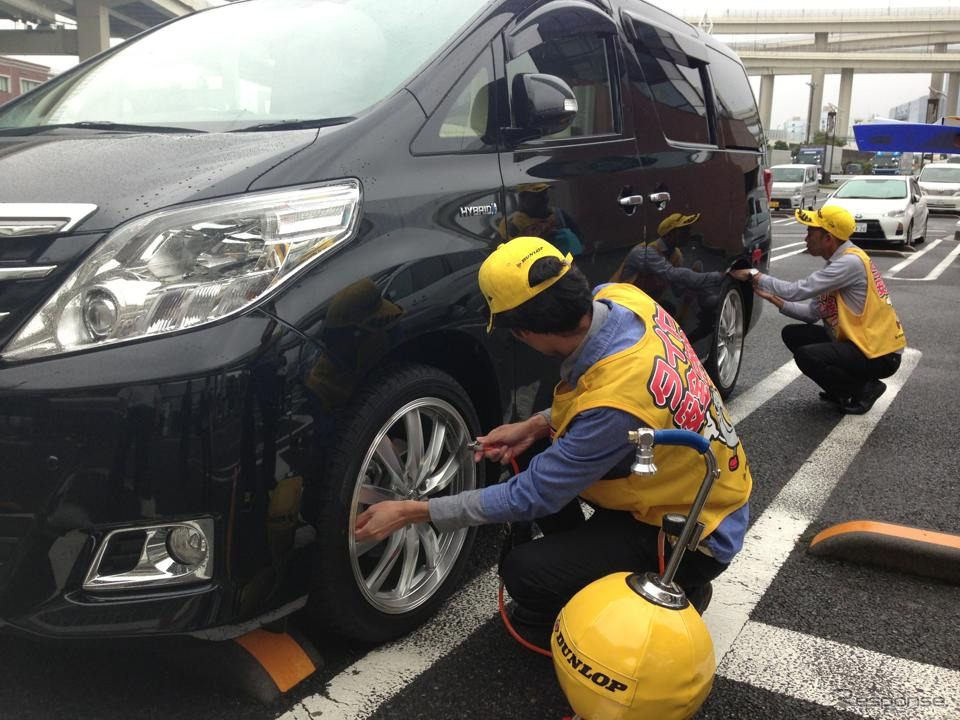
x=730, y=338
x=419, y=453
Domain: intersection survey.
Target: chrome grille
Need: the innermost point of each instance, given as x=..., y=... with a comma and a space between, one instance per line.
x=36, y=254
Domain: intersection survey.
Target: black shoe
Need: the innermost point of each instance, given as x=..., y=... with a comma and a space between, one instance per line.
x=863, y=400
x=831, y=398
x=534, y=627
x=700, y=597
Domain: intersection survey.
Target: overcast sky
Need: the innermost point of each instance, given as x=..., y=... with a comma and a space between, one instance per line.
x=873, y=94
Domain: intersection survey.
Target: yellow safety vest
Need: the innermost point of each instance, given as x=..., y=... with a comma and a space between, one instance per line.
x=876, y=330
x=661, y=381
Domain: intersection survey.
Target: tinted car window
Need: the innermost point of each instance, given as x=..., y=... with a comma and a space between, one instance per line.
x=739, y=119
x=582, y=62
x=677, y=85
x=462, y=123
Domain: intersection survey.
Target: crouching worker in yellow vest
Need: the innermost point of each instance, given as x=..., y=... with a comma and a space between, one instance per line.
x=861, y=338
x=626, y=364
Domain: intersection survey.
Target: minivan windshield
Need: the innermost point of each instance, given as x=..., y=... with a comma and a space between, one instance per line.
x=940, y=175
x=254, y=63
x=873, y=189
x=787, y=174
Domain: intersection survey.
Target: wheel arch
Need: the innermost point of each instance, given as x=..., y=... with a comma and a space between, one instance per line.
x=466, y=360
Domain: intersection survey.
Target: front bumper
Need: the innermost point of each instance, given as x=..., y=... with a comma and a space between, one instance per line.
x=785, y=202
x=176, y=429
x=947, y=203
x=884, y=229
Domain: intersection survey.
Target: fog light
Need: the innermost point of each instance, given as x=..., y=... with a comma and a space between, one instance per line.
x=187, y=546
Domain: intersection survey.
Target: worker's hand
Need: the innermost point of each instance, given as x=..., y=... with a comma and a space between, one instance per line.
x=385, y=518
x=769, y=297
x=743, y=274
x=506, y=442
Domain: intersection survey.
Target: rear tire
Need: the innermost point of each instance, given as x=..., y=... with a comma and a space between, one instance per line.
x=403, y=436
x=726, y=352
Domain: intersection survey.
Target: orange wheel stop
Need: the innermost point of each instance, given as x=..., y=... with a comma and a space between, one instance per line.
x=893, y=547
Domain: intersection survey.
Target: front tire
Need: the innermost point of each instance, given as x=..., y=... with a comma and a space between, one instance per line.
x=726, y=352
x=403, y=437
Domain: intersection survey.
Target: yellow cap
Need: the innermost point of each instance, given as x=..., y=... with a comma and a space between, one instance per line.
x=505, y=275
x=674, y=221
x=835, y=220
x=620, y=657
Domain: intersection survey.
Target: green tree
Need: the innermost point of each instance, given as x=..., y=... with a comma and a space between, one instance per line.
x=780, y=145
x=820, y=138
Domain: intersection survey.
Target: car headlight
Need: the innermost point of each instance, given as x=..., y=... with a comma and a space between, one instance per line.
x=896, y=213
x=182, y=267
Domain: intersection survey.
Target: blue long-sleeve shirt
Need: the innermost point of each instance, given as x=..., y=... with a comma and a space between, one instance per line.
x=595, y=441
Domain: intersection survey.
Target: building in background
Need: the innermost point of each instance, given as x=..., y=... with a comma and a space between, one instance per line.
x=917, y=110
x=17, y=77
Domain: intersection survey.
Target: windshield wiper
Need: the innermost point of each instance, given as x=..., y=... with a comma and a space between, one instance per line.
x=96, y=125
x=297, y=124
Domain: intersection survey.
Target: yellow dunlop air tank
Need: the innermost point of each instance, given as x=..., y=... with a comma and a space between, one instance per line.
x=619, y=656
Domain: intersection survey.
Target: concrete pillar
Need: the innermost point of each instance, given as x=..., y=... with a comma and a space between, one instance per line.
x=843, y=103
x=953, y=94
x=936, y=79
x=93, y=28
x=816, y=89
x=766, y=100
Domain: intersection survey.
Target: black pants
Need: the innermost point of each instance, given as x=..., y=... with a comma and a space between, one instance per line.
x=840, y=368
x=542, y=575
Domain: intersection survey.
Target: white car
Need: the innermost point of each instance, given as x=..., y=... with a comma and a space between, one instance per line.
x=941, y=184
x=794, y=186
x=886, y=209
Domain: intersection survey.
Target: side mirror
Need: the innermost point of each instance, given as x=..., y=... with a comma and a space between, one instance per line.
x=543, y=105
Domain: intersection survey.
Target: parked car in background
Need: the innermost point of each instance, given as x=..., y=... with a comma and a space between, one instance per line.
x=853, y=168
x=940, y=183
x=794, y=186
x=238, y=298
x=889, y=209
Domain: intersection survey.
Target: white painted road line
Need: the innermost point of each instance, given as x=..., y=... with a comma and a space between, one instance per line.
x=782, y=220
x=789, y=254
x=742, y=405
x=832, y=674
x=938, y=270
x=913, y=258
x=772, y=538
x=790, y=245
x=379, y=675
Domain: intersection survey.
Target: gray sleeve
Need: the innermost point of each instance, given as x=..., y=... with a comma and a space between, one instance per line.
x=807, y=310
x=451, y=512
x=833, y=276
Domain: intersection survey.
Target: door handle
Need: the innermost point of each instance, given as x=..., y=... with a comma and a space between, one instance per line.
x=630, y=200
x=660, y=198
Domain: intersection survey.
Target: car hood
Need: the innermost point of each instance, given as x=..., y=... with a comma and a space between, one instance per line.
x=869, y=208
x=126, y=175
x=787, y=186
x=927, y=185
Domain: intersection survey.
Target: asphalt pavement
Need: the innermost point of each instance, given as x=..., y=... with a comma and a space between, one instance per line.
x=797, y=636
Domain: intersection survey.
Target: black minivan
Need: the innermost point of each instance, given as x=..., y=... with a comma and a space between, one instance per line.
x=238, y=297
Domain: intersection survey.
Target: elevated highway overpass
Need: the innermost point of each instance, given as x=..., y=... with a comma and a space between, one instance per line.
x=95, y=22
x=844, y=41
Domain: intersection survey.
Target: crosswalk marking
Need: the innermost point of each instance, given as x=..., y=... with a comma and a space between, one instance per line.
x=938, y=270
x=789, y=254
x=380, y=674
x=864, y=682
x=773, y=536
x=744, y=404
x=912, y=259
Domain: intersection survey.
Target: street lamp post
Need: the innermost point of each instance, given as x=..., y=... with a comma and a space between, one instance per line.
x=830, y=129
